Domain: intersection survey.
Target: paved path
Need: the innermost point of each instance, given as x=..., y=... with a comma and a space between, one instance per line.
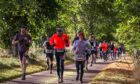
x=69, y=75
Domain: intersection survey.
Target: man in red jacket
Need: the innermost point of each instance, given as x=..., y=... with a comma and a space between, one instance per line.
x=60, y=41
x=104, y=49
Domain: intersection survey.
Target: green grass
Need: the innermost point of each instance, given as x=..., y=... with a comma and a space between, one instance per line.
x=10, y=66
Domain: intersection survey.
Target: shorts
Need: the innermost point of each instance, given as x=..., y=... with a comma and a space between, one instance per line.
x=60, y=53
x=87, y=56
x=22, y=54
x=111, y=51
x=49, y=55
x=94, y=52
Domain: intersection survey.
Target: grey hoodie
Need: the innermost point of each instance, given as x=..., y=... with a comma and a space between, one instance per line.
x=80, y=47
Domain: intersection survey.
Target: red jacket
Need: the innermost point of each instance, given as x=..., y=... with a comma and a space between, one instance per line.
x=60, y=42
x=104, y=46
x=115, y=50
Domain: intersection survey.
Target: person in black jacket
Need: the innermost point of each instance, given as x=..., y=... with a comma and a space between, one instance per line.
x=94, y=49
x=111, y=50
x=49, y=51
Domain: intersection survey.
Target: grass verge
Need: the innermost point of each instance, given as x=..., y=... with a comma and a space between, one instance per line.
x=118, y=72
x=10, y=66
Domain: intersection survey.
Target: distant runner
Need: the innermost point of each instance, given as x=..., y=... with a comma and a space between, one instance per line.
x=94, y=49
x=49, y=51
x=111, y=50
x=104, y=50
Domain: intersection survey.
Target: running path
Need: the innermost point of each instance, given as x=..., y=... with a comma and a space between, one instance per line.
x=69, y=75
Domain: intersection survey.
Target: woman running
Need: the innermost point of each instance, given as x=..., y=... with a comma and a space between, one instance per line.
x=79, y=48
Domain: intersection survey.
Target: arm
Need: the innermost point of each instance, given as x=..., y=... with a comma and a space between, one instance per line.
x=15, y=40
x=67, y=41
x=52, y=40
x=74, y=47
x=88, y=45
x=30, y=39
x=44, y=44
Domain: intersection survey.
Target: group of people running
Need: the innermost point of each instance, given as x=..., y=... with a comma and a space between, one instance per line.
x=83, y=49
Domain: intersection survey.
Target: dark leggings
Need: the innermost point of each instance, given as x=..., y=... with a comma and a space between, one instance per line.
x=80, y=68
x=105, y=55
x=60, y=64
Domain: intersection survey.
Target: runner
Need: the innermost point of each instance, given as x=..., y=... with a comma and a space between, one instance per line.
x=60, y=40
x=100, y=50
x=23, y=39
x=88, y=53
x=94, y=49
x=122, y=50
x=79, y=48
x=119, y=51
x=111, y=50
x=104, y=50
x=49, y=54
x=115, y=52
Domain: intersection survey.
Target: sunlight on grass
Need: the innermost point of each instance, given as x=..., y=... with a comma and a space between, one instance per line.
x=16, y=72
x=10, y=66
x=119, y=72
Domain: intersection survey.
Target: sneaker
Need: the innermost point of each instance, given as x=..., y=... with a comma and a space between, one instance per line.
x=81, y=81
x=91, y=64
x=50, y=72
x=62, y=79
x=77, y=77
x=59, y=80
x=86, y=68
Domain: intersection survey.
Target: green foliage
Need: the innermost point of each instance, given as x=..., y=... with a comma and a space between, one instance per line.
x=99, y=18
x=106, y=19
x=129, y=28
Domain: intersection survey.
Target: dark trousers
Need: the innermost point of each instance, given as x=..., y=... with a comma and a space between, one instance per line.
x=80, y=68
x=105, y=55
x=59, y=64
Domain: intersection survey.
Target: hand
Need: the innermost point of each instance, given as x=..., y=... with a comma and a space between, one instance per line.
x=25, y=38
x=75, y=52
x=64, y=56
x=53, y=45
x=15, y=42
x=26, y=53
x=66, y=41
